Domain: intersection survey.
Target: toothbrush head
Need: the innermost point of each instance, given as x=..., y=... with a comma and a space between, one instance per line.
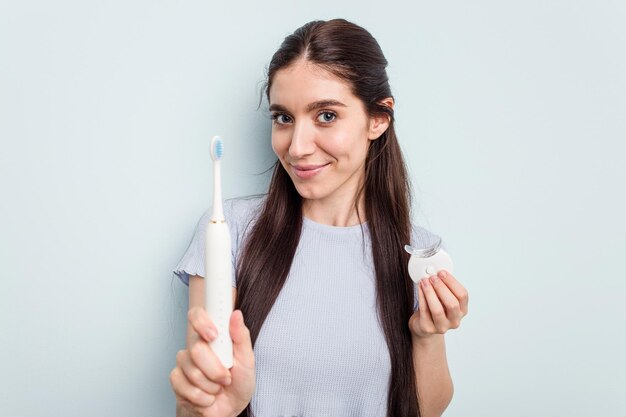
x=217, y=148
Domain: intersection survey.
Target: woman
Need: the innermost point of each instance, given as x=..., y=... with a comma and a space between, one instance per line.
x=321, y=274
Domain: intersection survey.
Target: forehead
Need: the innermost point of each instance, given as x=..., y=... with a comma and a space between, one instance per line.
x=304, y=82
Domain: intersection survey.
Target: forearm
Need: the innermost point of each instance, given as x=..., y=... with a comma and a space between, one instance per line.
x=432, y=375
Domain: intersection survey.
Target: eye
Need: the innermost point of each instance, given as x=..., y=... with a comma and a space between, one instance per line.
x=281, y=118
x=326, y=116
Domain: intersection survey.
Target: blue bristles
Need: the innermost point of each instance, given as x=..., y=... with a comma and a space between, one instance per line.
x=217, y=148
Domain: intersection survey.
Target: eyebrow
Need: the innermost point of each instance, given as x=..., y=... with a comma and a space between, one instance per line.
x=311, y=106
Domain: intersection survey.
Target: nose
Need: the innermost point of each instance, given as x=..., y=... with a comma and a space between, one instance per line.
x=302, y=141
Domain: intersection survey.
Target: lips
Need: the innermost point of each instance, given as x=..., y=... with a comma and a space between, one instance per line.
x=308, y=171
x=308, y=167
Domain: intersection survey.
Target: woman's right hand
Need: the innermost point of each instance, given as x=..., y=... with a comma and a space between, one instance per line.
x=203, y=386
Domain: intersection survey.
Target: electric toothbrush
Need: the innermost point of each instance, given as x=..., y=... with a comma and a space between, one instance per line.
x=218, y=266
x=428, y=261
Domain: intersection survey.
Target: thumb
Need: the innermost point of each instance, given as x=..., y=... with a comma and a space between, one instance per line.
x=242, y=344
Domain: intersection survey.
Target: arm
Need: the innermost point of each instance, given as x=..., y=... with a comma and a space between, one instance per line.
x=432, y=376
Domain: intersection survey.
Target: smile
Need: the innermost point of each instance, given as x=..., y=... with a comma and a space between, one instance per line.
x=308, y=171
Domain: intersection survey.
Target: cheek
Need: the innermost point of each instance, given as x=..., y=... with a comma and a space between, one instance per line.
x=278, y=143
x=347, y=144
x=281, y=140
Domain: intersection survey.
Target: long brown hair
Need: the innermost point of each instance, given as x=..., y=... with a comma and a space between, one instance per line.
x=352, y=54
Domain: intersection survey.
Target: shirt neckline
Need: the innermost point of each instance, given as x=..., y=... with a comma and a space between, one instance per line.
x=334, y=229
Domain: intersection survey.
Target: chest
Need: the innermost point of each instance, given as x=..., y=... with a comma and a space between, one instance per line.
x=323, y=333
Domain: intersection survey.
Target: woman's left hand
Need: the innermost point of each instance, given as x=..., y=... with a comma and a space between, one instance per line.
x=442, y=303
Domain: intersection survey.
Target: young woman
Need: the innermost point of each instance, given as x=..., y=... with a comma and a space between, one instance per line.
x=334, y=326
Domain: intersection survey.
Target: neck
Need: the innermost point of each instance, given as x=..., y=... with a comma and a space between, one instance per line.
x=339, y=212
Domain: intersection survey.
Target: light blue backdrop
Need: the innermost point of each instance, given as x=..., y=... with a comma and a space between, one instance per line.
x=512, y=116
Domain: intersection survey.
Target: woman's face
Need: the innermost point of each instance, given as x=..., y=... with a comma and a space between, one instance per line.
x=320, y=132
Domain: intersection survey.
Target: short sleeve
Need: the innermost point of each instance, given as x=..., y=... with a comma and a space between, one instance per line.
x=192, y=262
x=423, y=238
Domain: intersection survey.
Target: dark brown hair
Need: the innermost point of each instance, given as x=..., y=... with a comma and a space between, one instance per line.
x=351, y=53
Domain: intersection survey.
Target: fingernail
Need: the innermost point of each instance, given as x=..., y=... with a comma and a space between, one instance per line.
x=433, y=279
x=442, y=274
x=424, y=282
x=212, y=334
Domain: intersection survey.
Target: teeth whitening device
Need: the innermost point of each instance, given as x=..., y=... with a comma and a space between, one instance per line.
x=218, y=266
x=428, y=261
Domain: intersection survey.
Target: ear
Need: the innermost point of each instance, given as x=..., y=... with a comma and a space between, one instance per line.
x=379, y=123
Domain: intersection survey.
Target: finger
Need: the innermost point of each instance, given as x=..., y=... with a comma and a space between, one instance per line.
x=457, y=289
x=425, y=319
x=187, y=391
x=194, y=374
x=207, y=361
x=242, y=343
x=437, y=311
x=449, y=301
x=421, y=301
x=201, y=323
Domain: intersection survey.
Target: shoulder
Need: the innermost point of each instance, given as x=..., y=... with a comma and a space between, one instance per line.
x=241, y=214
x=236, y=210
x=422, y=237
x=244, y=208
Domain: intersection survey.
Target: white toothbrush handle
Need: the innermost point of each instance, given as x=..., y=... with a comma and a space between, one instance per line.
x=218, y=288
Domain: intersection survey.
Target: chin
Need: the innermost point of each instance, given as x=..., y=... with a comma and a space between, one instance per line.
x=309, y=193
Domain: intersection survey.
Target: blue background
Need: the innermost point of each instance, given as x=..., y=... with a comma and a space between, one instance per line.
x=512, y=117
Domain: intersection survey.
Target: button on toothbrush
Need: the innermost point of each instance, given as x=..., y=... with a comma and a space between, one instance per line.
x=428, y=261
x=218, y=266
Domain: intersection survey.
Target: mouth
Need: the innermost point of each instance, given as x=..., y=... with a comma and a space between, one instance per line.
x=308, y=171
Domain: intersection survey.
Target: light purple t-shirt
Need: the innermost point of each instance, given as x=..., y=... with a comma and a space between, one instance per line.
x=321, y=350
